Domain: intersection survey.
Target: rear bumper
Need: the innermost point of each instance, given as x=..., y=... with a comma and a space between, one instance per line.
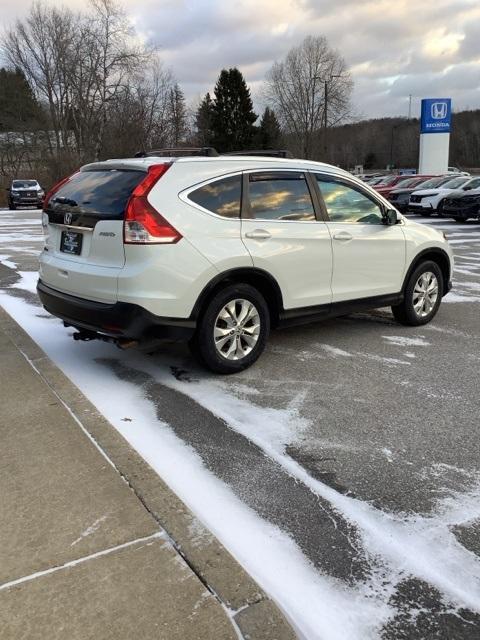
x=118, y=320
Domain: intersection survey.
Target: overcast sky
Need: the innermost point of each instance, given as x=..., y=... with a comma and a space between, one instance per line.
x=427, y=48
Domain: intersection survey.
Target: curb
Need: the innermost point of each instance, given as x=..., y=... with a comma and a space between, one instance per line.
x=251, y=610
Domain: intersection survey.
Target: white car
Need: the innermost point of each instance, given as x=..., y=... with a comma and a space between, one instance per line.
x=428, y=201
x=218, y=250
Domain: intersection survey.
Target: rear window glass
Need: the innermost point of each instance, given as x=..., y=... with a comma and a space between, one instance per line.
x=221, y=196
x=280, y=196
x=97, y=192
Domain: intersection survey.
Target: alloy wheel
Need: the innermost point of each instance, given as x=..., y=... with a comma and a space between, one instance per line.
x=237, y=329
x=425, y=294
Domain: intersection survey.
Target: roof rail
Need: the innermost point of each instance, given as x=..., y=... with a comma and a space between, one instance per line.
x=178, y=152
x=273, y=153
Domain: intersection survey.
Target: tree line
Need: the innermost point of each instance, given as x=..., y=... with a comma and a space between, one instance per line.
x=80, y=86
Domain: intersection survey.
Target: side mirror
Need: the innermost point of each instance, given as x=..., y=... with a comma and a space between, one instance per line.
x=390, y=217
x=7, y=188
x=467, y=188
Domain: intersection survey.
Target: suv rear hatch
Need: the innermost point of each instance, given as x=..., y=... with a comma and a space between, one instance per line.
x=84, y=250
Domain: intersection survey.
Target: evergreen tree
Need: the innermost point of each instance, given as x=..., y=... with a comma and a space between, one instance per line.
x=177, y=115
x=18, y=106
x=233, y=115
x=203, y=121
x=269, y=133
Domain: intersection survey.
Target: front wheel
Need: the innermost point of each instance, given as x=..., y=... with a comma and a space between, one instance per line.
x=423, y=294
x=233, y=329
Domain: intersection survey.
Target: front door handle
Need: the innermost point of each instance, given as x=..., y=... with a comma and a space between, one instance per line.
x=343, y=236
x=258, y=234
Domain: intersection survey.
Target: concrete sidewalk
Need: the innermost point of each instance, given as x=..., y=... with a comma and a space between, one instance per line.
x=92, y=543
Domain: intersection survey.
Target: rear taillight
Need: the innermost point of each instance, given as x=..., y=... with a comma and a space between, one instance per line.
x=143, y=224
x=55, y=188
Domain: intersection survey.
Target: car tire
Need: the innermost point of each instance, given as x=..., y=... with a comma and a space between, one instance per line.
x=11, y=206
x=235, y=336
x=427, y=214
x=419, y=305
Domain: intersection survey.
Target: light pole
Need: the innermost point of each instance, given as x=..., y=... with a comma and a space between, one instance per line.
x=325, y=109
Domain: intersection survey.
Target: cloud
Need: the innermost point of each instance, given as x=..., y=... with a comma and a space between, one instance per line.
x=394, y=48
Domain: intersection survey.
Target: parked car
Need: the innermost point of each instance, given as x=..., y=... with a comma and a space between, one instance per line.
x=25, y=193
x=401, y=181
x=457, y=171
x=218, y=251
x=400, y=195
x=428, y=201
x=462, y=206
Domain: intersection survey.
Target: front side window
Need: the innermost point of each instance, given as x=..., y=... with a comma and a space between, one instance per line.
x=280, y=195
x=347, y=204
x=220, y=196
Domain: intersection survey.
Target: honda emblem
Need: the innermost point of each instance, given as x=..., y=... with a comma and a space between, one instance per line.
x=439, y=110
x=67, y=219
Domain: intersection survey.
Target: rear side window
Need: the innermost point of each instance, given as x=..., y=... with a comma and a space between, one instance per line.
x=220, y=196
x=280, y=196
x=102, y=193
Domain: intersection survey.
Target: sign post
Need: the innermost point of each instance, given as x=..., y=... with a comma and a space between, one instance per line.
x=435, y=135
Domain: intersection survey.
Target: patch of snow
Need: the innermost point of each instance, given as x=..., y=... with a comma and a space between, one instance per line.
x=28, y=281
x=460, y=297
x=89, y=530
x=8, y=263
x=397, y=545
x=335, y=351
x=403, y=341
x=388, y=454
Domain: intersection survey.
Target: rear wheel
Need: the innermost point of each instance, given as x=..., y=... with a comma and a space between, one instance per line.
x=233, y=329
x=458, y=219
x=423, y=295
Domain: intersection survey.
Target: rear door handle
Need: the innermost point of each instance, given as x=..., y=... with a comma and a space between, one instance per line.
x=343, y=236
x=258, y=234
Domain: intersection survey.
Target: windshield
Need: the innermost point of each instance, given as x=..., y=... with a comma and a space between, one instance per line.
x=433, y=182
x=24, y=184
x=386, y=181
x=454, y=184
x=411, y=182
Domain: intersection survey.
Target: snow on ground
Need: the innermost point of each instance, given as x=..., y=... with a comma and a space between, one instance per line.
x=320, y=607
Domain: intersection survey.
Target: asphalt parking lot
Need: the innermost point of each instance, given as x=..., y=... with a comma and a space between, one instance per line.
x=356, y=437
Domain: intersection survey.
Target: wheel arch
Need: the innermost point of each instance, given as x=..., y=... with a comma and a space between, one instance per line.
x=258, y=278
x=436, y=255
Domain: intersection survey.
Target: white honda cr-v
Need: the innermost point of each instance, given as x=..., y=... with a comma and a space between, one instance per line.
x=219, y=250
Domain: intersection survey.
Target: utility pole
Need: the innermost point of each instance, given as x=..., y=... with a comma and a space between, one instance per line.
x=325, y=114
x=325, y=108
x=410, y=107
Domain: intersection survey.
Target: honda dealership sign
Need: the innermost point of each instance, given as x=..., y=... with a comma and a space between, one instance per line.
x=435, y=119
x=436, y=115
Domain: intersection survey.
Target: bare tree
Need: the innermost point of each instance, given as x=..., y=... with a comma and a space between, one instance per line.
x=116, y=60
x=38, y=46
x=297, y=87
